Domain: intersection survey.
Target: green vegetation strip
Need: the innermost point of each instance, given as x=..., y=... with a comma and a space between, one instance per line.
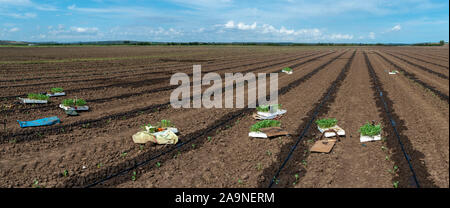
x=264, y=124
x=266, y=108
x=34, y=96
x=57, y=90
x=370, y=130
x=326, y=122
x=71, y=102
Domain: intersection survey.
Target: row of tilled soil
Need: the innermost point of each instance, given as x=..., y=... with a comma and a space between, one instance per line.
x=439, y=64
x=433, y=82
x=114, y=124
x=230, y=152
x=122, y=72
x=73, y=70
x=437, y=71
x=422, y=120
x=121, y=80
x=116, y=98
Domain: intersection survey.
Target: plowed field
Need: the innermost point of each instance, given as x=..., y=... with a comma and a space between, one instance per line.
x=127, y=87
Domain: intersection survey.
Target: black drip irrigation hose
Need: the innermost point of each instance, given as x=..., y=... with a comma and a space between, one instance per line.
x=235, y=115
x=165, y=152
x=316, y=112
x=388, y=113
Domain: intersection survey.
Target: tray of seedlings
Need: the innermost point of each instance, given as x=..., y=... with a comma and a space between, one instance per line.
x=267, y=129
x=370, y=132
x=325, y=126
x=265, y=112
x=55, y=92
x=287, y=70
x=74, y=105
x=34, y=98
x=162, y=133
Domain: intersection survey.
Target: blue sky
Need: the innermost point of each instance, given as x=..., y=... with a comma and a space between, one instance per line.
x=368, y=21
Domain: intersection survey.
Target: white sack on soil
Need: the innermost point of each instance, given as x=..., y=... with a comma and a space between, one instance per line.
x=338, y=129
x=369, y=138
x=162, y=137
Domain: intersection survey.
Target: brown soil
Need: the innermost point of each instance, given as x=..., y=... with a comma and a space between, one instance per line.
x=125, y=92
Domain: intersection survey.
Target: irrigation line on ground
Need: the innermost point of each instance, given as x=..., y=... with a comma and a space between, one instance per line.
x=421, y=67
x=377, y=85
x=425, y=61
x=161, y=89
x=413, y=77
x=313, y=117
x=234, y=115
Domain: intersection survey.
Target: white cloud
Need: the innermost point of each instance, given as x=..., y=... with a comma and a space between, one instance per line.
x=372, y=35
x=340, y=37
x=14, y=29
x=396, y=28
x=84, y=29
x=240, y=26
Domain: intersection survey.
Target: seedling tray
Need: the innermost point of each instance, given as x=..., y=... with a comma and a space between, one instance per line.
x=56, y=94
x=77, y=108
x=287, y=72
x=32, y=101
x=336, y=128
x=369, y=138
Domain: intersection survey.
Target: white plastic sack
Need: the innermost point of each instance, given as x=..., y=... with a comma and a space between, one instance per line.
x=369, y=138
x=30, y=101
x=56, y=94
x=338, y=129
x=257, y=134
x=76, y=108
x=269, y=114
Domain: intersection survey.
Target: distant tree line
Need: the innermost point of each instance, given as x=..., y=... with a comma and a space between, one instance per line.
x=144, y=43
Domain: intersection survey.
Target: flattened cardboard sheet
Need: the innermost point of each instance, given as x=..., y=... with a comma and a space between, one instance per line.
x=324, y=146
x=274, y=131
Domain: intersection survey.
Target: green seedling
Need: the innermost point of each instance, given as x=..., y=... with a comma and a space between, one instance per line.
x=264, y=124
x=158, y=164
x=85, y=125
x=240, y=181
x=35, y=96
x=326, y=122
x=276, y=180
x=12, y=141
x=66, y=173
x=304, y=163
x=193, y=145
x=36, y=184
x=259, y=166
x=387, y=157
x=395, y=168
x=370, y=130
x=266, y=108
x=209, y=139
x=123, y=154
x=57, y=90
x=133, y=177
x=72, y=102
x=287, y=69
x=395, y=184
x=383, y=148
x=268, y=152
x=99, y=165
x=296, y=179
x=177, y=155
x=141, y=147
